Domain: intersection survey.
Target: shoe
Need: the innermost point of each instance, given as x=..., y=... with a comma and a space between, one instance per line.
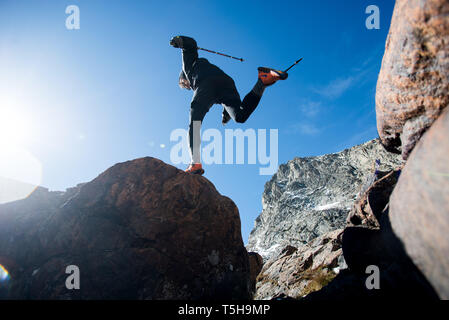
x=269, y=76
x=195, y=168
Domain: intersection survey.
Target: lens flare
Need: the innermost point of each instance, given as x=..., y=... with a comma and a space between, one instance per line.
x=4, y=274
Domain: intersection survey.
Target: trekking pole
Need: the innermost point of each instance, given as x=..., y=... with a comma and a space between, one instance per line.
x=293, y=65
x=221, y=54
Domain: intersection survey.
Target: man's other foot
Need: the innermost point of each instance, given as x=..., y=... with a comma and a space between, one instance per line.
x=195, y=168
x=269, y=76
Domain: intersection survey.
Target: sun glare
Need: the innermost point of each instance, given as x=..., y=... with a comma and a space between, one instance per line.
x=20, y=170
x=14, y=126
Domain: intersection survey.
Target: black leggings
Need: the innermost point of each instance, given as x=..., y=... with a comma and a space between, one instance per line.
x=218, y=90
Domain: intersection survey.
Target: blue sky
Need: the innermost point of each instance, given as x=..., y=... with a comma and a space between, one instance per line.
x=108, y=93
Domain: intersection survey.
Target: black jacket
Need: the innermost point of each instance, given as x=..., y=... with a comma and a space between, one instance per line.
x=196, y=69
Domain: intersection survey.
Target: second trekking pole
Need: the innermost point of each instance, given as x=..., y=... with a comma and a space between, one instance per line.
x=293, y=65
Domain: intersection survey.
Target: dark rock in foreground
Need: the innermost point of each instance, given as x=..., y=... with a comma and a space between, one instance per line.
x=419, y=205
x=255, y=265
x=141, y=230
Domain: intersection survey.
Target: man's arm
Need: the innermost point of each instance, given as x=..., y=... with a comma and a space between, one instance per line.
x=189, y=51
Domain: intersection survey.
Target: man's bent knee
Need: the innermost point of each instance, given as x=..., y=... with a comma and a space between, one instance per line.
x=240, y=119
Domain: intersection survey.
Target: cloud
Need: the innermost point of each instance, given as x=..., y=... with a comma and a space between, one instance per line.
x=337, y=87
x=357, y=76
x=306, y=128
x=310, y=108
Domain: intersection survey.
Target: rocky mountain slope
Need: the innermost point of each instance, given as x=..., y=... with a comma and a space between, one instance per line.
x=309, y=197
x=297, y=272
x=11, y=190
x=140, y=230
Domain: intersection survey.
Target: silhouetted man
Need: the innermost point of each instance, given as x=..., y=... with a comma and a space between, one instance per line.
x=212, y=86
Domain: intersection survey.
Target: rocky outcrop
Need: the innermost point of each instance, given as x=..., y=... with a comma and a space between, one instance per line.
x=369, y=242
x=309, y=197
x=419, y=205
x=413, y=82
x=370, y=204
x=297, y=272
x=141, y=230
x=398, y=224
x=334, y=266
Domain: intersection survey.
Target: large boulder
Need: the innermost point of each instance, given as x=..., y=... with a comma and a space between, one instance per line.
x=419, y=205
x=140, y=230
x=309, y=197
x=413, y=84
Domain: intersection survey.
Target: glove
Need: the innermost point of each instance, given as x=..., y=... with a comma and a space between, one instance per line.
x=176, y=42
x=183, y=81
x=225, y=117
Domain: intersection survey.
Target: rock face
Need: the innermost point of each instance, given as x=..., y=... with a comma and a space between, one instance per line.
x=369, y=242
x=309, y=197
x=398, y=225
x=300, y=271
x=413, y=84
x=141, y=230
x=419, y=205
x=255, y=266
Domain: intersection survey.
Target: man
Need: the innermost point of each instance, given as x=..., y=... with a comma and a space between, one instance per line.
x=212, y=86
